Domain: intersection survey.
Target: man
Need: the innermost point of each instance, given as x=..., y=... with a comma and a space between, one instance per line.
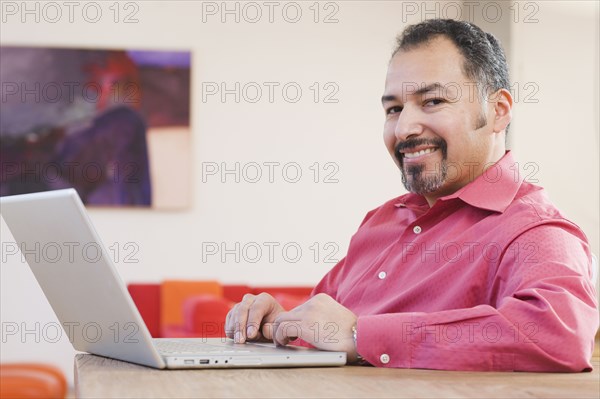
x=474, y=269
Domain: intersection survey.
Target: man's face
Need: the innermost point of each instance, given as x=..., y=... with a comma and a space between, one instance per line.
x=436, y=128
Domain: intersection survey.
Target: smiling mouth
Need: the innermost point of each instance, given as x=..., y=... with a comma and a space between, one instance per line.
x=410, y=155
x=410, y=150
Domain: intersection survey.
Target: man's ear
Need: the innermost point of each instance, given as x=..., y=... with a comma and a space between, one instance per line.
x=502, y=102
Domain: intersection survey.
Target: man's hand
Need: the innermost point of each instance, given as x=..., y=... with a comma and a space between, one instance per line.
x=252, y=318
x=320, y=321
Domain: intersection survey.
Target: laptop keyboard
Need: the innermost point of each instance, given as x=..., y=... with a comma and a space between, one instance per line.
x=187, y=347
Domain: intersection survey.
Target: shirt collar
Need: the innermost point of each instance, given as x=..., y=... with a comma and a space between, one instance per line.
x=412, y=201
x=494, y=190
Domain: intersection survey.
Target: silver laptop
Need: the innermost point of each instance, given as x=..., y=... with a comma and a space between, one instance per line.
x=94, y=307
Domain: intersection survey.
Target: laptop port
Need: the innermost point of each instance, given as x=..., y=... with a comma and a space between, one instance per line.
x=188, y=361
x=204, y=361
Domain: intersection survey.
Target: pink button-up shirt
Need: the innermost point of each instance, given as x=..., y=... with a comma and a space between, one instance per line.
x=492, y=277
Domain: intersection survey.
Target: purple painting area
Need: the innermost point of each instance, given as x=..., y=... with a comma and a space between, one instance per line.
x=165, y=78
x=120, y=172
x=93, y=136
x=165, y=59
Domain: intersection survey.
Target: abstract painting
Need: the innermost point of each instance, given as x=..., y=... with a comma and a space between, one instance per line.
x=113, y=124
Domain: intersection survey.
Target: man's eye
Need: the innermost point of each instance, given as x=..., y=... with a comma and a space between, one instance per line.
x=393, y=110
x=433, y=101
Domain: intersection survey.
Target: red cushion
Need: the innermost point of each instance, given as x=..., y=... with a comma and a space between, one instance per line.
x=288, y=297
x=147, y=299
x=290, y=301
x=235, y=293
x=205, y=315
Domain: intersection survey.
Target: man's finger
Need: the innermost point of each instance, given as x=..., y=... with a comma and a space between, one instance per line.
x=286, y=331
x=267, y=330
x=241, y=318
x=228, y=327
x=233, y=320
x=256, y=314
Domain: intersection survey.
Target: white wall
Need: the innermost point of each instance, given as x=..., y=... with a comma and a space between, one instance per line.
x=560, y=133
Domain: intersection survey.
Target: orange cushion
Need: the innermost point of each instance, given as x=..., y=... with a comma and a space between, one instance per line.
x=30, y=380
x=174, y=293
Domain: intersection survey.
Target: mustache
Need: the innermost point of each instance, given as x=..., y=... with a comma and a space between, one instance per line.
x=414, y=143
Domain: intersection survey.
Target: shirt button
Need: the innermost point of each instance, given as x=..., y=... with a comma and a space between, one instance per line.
x=385, y=359
x=382, y=275
x=417, y=229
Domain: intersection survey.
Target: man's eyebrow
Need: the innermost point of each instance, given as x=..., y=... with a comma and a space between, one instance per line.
x=419, y=92
x=388, y=98
x=426, y=89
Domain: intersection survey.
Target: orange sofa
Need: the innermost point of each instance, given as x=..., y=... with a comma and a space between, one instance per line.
x=187, y=308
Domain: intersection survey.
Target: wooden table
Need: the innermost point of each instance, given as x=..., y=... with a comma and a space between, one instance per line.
x=97, y=377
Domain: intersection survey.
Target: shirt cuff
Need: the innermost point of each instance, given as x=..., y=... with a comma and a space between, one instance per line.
x=382, y=341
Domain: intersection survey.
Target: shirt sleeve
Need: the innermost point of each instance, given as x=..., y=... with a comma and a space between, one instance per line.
x=329, y=283
x=542, y=316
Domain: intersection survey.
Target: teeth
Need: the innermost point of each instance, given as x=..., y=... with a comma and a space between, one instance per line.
x=418, y=153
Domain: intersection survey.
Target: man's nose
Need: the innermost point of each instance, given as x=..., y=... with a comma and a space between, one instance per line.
x=409, y=124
